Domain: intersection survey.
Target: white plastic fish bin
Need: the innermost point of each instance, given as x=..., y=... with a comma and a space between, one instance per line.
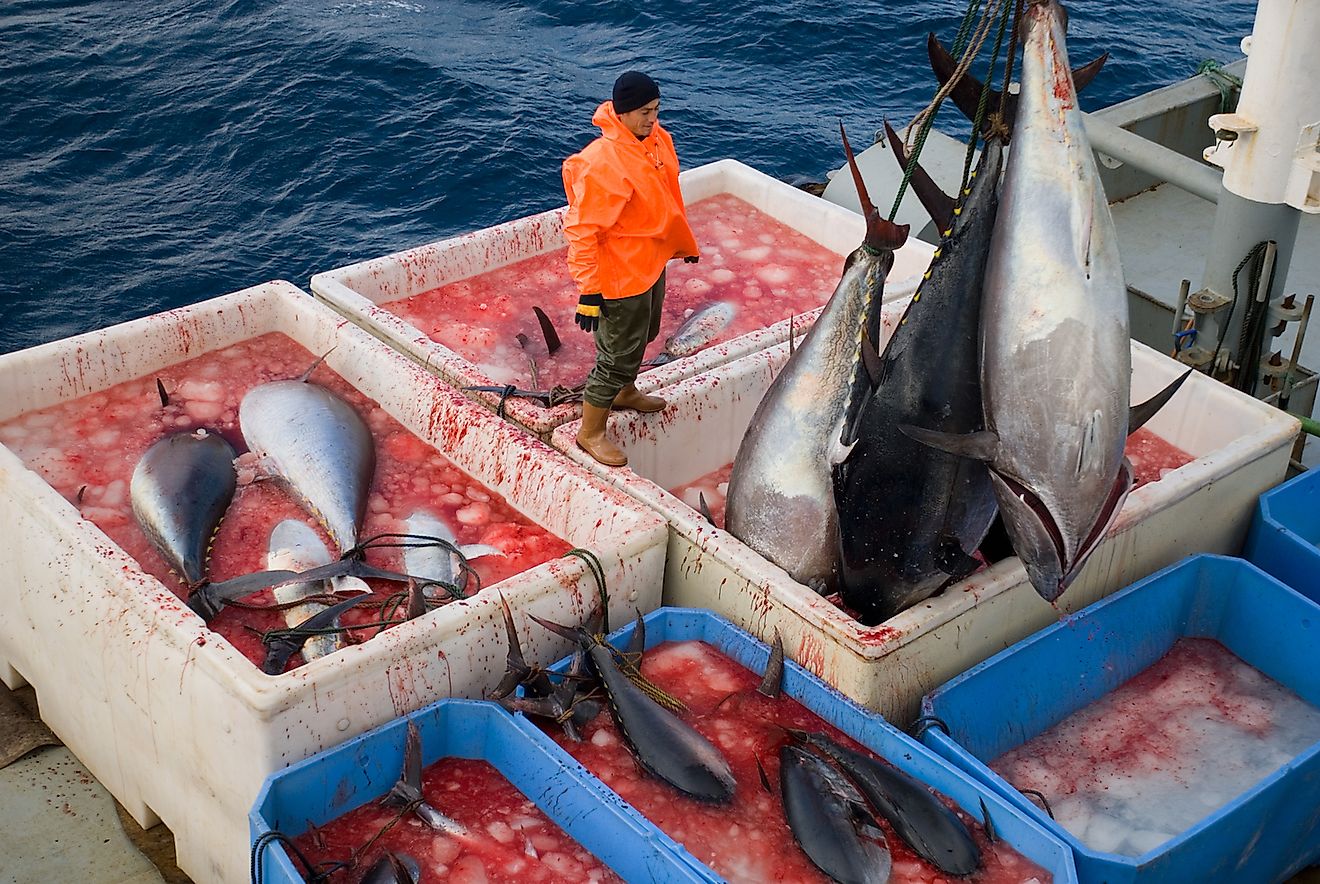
x=463, y=307
x=177, y=723
x=1237, y=446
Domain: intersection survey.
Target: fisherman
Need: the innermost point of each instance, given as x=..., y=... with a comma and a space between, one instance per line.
x=625, y=220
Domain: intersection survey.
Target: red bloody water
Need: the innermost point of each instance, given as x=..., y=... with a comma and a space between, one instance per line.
x=748, y=841
x=767, y=270
x=510, y=840
x=1152, y=457
x=87, y=448
x=714, y=486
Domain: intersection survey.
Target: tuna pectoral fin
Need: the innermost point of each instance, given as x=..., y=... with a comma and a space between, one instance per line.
x=953, y=560
x=1139, y=414
x=939, y=205
x=871, y=361
x=772, y=681
x=982, y=445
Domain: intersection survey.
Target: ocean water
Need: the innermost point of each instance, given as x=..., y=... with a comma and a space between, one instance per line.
x=155, y=155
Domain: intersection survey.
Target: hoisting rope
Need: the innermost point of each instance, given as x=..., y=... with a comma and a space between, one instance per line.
x=922, y=122
x=1016, y=8
x=1222, y=80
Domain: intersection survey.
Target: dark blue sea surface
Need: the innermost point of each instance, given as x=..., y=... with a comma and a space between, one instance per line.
x=155, y=155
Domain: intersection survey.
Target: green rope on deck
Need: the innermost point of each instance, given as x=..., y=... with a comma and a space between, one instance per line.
x=1226, y=83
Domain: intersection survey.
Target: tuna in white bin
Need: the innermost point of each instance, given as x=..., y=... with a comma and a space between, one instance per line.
x=358, y=290
x=1240, y=448
x=178, y=725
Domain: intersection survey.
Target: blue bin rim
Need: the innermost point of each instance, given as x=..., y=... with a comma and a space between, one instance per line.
x=1267, y=500
x=277, y=858
x=969, y=762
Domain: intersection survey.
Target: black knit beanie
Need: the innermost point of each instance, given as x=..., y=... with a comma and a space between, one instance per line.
x=632, y=90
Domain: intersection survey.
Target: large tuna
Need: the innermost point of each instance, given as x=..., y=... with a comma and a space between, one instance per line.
x=1055, y=352
x=910, y=515
x=180, y=490
x=318, y=445
x=779, y=500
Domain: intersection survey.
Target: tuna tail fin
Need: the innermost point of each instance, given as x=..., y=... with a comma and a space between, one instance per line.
x=881, y=234
x=939, y=205
x=1139, y=414
x=966, y=92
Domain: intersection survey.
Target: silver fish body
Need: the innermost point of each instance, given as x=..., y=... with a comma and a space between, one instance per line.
x=698, y=330
x=295, y=546
x=1055, y=357
x=780, y=497
x=319, y=446
x=180, y=490
x=434, y=561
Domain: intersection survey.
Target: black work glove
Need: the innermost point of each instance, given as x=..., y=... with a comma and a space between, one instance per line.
x=589, y=310
x=691, y=259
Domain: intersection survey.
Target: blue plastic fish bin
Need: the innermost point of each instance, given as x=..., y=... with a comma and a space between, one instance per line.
x=1284, y=539
x=871, y=730
x=336, y=781
x=1266, y=833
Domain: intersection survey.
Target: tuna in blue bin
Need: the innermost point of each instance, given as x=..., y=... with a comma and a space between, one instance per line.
x=1266, y=833
x=871, y=730
x=1284, y=539
x=336, y=781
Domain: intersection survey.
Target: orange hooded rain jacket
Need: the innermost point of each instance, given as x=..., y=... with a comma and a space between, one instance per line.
x=625, y=211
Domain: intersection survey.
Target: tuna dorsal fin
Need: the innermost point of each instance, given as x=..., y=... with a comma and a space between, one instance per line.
x=966, y=92
x=1139, y=414
x=939, y=205
x=982, y=445
x=552, y=342
x=160, y=391
x=881, y=235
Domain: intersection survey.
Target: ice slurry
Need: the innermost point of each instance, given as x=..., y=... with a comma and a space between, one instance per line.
x=765, y=269
x=87, y=449
x=1165, y=750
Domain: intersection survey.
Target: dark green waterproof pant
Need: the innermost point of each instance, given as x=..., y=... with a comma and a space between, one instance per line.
x=627, y=325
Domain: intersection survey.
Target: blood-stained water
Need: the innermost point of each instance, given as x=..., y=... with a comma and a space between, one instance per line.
x=749, y=840
x=1152, y=458
x=86, y=449
x=766, y=269
x=508, y=841
x=1165, y=749
x=714, y=487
